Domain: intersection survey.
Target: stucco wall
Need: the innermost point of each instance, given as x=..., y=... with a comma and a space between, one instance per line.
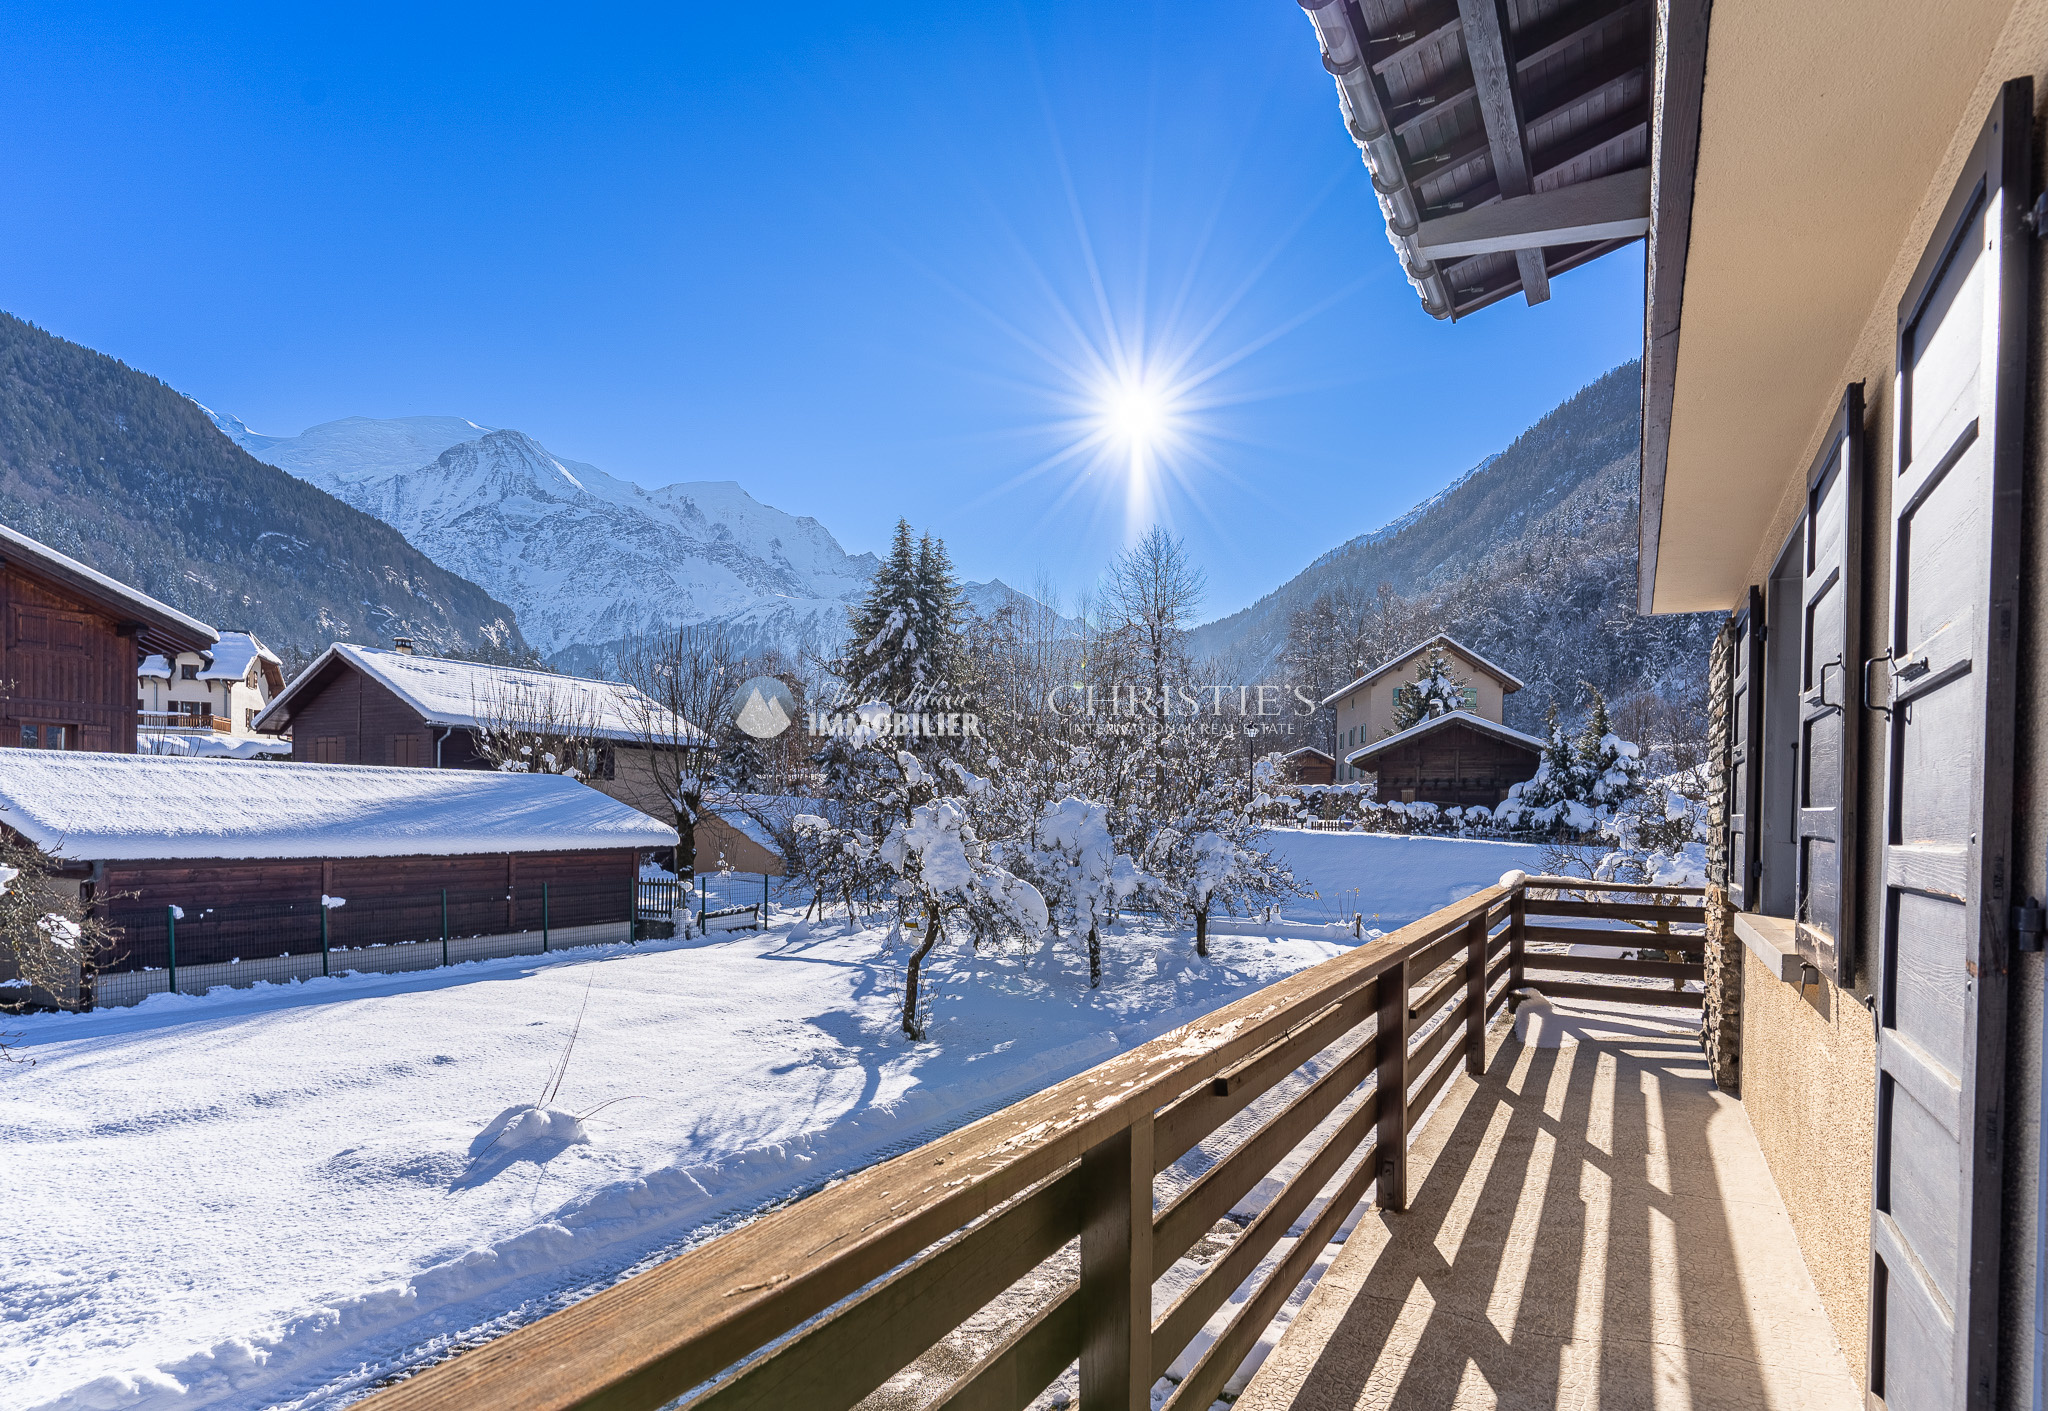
x=1809, y=1085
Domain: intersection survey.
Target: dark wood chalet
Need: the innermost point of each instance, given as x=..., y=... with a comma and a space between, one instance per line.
x=1459, y=759
x=365, y=705
x=1308, y=765
x=71, y=639
x=406, y=853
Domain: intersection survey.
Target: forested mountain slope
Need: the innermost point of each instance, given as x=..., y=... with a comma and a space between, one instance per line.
x=114, y=468
x=1530, y=559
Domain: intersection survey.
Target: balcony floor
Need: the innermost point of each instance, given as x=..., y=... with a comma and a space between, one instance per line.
x=1589, y=1226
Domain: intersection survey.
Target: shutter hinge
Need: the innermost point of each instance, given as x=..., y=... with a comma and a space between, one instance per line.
x=2027, y=924
x=2036, y=218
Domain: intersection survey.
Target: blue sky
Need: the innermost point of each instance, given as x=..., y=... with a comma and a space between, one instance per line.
x=867, y=261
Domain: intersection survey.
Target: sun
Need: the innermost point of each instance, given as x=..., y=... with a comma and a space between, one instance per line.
x=1137, y=413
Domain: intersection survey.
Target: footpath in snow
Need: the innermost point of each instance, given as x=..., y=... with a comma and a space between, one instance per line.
x=275, y=1196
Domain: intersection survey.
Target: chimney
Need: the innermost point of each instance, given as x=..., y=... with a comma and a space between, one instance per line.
x=402, y=645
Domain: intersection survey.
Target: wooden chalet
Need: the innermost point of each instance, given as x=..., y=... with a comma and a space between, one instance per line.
x=1367, y=707
x=1458, y=759
x=71, y=639
x=1309, y=765
x=143, y=834
x=364, y=705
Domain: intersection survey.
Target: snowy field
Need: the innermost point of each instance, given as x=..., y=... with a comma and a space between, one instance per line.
x=276, y=1196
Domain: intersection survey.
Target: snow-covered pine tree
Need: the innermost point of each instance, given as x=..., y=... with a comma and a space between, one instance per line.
x=881, y=638
x=904, y=639
x=1436, y=690
x=740, y=765
x=939, y=665
x=1609, y=769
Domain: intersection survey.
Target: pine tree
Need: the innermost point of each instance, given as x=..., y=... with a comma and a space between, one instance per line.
x=1436, y=690
x=880, y=632
x=937, y=662
x=904, y=638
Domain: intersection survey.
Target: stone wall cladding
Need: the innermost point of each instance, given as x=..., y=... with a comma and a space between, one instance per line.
x=1721, y=1021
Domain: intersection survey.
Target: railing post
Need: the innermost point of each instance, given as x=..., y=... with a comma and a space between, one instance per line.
x=171, y=937
x=1475, y=994
x=543, y=918
x=324, y=912
x=1518, y=935
x=444, y=925
x=1116, y=1271
x=1392, y=1120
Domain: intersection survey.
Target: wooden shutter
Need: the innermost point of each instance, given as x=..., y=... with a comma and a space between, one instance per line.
x=1745, y=736
x=1830, y=661
x=1948, y=753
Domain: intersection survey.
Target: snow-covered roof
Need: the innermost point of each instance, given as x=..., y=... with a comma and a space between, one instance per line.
x=163, y=625
x=109, y=807
x=232, y=655
x=155, y=665
x=747, y=827
x=1358, y=757
x=1310, y=749
x=455, y=693
x=1509, y=682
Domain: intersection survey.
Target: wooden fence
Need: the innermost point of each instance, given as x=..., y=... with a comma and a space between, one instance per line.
x=818, y=1304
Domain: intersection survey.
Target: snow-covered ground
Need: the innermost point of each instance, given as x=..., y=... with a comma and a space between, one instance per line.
x=277, y=1195
x=1392, y=881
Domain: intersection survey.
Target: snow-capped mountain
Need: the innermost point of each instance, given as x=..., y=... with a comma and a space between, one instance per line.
x=584, y=558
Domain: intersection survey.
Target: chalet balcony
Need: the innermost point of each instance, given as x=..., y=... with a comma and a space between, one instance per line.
x=159, y=721
x=1355, y=1188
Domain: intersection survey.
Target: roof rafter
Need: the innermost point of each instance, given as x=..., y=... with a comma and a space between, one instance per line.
x=1495, y=79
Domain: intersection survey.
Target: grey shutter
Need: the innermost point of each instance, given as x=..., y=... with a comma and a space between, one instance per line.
x=1948, y=752
x=1831, y=655
x=1745, y=742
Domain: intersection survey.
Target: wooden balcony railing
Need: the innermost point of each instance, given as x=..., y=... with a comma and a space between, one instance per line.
x=819, y=1304
x=179, y=720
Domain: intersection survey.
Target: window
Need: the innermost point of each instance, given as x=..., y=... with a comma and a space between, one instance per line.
x=1793, y=715
x=188, y=672
x=249, y=718
x=47, y=737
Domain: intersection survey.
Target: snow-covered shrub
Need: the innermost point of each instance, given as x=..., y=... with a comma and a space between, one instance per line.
x=1091, y=875
x=941, y=864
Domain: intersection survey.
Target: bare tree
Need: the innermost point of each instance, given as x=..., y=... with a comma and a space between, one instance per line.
x=680, y=678
x=54, y=941
x=536, y=724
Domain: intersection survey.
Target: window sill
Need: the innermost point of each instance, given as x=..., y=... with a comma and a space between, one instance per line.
x=1774, y=941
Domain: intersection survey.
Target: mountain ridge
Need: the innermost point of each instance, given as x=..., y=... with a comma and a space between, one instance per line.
x=108, y=464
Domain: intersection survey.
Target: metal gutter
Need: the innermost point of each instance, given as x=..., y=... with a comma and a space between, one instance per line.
x=1344, y=56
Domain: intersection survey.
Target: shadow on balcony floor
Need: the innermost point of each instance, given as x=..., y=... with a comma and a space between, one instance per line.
x=1591, y=1226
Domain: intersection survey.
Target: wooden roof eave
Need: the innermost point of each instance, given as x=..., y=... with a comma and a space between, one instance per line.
x=1675, y=147
x=1596, y=53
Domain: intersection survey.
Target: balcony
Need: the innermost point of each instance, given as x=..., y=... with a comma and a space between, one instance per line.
x=150, y=721
x=1354, y=1188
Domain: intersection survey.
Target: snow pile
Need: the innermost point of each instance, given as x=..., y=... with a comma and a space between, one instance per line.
x=524, y=1124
